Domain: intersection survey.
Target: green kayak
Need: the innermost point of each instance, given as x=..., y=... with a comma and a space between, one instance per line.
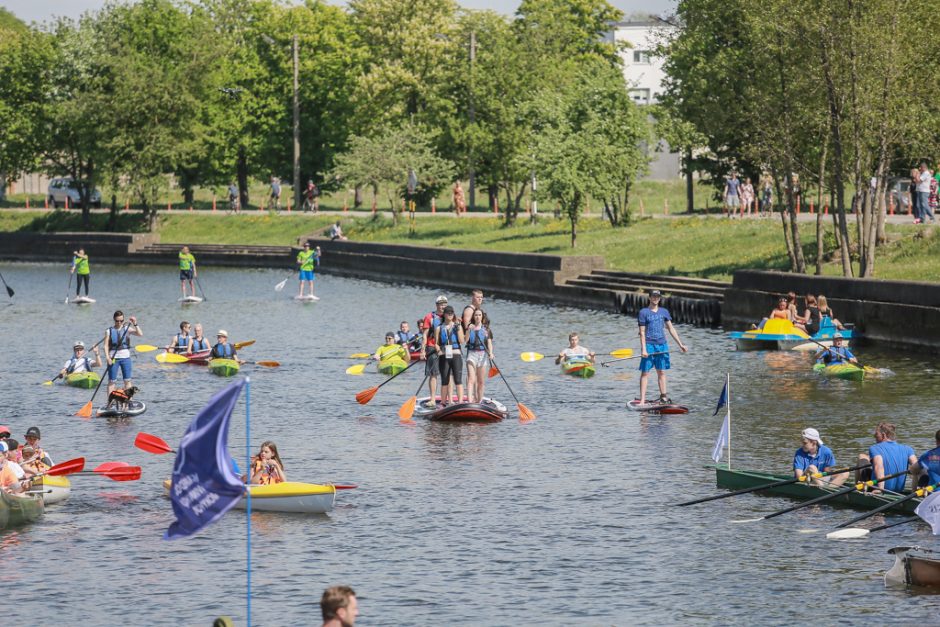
x=86, y=380
x=391, y=367
x=223, y=367
x=841, y=371
x=578, y=368
x=19, y=510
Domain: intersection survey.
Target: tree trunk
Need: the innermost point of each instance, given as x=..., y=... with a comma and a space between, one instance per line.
x=113, y=217
x=689, y=189
x=784, y=220
x=357, y=197
x=820, y=230
x=241, y=171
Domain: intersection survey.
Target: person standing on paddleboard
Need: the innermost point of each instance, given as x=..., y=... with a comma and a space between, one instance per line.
x=187, y=271
x=117, y=349
x=476, y=302
x=654, y=321
x=80, y=270
x=432, y=367
x=307, y=260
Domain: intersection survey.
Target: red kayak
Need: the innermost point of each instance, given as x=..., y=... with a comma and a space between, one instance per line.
x=202, y=357
x=487, y=411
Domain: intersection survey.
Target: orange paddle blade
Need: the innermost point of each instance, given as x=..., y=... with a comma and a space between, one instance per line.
x=493, y=372
x=525, y=414
x=85, y=411
x=407, y=410
x=269, y=364
x=365, y=396
x=67, y=468
x=241, y=345
x=152, y=444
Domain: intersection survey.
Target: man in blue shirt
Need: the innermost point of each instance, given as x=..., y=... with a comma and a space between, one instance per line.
x=813, y=457
x=836, y=354
x=654, y=321
x=887, y=457
x=929, y=465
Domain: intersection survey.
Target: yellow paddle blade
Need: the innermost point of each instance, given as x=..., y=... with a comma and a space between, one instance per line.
x=622, y=352
x=171, y=358
x=47, y=382
x=241, y=345
x=531, y=356
x=360, y=356
x=145, y=348
x=357, y=369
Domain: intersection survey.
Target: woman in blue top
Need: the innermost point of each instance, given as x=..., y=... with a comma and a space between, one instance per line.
x=448, y=337
x=654, y=321
x=812, y=457
x=479, y=354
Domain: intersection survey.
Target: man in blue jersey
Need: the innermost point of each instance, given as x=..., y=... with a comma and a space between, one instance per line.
x=928, y=465
x=887, y=457
x=654, y=321
x=813, y=457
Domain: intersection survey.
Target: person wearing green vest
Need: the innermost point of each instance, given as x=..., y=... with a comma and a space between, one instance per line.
x=187, y=271
x=307, y=260
x=80, y=269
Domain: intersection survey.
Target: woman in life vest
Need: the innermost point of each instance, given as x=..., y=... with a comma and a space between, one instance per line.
x=479, y=354
x=267, y=467
x=182, y=342
x=80, y=361
x=449, y=338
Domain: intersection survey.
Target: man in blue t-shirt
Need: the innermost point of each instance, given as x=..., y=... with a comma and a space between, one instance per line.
x=929, y=465
x=654, y=321
x=812, y=457
x=887, y=457
x=836, y=354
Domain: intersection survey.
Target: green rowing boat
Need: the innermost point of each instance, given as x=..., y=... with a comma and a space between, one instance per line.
x=223, y=367
x=86, y=379
x=740, y=479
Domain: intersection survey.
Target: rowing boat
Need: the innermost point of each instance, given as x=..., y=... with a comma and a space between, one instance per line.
x=223, y=367
x=18, y=510
x=288, y=497
x=488, y=411
x=778, y=334
x=87, y=379
x=392, y=366
x=850, y=372
x=578, y=368
x=54, y=489
x=914, y=566
x=740, y=479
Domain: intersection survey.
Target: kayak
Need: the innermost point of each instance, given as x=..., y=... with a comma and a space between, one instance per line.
x=134, y=408
x=87, y=379
x=578, y=368
x=202, y=357
x=850, y=372
x=488, y=411
x=418, y=354
x=780, y=334
x=190, y=300
x=392, y=366
x=656, y=407
x=54, y=489
x=82, y=300
x=18, y=510
x=223, y=367
x=289, y=497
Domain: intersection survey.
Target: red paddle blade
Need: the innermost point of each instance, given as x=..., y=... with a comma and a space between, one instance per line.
x=129, y=473
x=493, y=372
x=67, y=468
x=407, y=410
x=365, y=396
x=525, y=414
x=345, y=486
x=85, y=411
x=105, y=467
x=152, y=444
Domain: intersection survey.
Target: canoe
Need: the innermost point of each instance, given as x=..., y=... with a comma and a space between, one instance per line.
x=18, y=510
x=223, y=367
x=783, y=335
x=289, y=497
x=914, y=566
x=391, y=366
x=850, y=372
x=134, y=408
x=739, y=479
x=82, y=300
x=488, y=411
x=54, y=489
x=655, y=407
x=87, y=379
x=578, y=368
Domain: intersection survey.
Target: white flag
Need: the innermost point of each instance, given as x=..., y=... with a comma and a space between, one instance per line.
x=722, y=440
x=929, y=510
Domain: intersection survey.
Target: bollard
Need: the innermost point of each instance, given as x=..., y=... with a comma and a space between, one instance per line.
x=288, y=204
x=374, y=206
x=261, y=206
x=345, y=206
x=891, y=205
x=811, y=207
x=190, y=207
x=127, y=205
x=642, y=208
x=66, y=203
x=169, y=207
x=910, y=205
x=213, y=203
x=27, y=201
x=433, y=205
x=496, y=204
x=46, y=202
x=797, y=205
x=826, y=209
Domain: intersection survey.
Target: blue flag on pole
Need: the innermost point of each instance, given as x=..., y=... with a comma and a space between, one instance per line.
x=722, y=400
x=204, y=484
x=722, y=440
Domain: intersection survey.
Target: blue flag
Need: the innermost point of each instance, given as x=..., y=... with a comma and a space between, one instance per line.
x=204, y=484
x=722, y=400
x=724, y=438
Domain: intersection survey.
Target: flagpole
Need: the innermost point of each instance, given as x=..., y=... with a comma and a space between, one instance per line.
x=248, y=466
x=728, y=383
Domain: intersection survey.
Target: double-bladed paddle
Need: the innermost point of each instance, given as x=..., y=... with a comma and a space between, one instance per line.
x=533, y=356
x=365, y=396
x=829, y=348
x=525, y=414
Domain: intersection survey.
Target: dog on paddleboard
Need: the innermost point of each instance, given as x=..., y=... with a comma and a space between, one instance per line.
x=118, y=399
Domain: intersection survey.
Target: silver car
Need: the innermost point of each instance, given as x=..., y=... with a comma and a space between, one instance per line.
x=61, y=189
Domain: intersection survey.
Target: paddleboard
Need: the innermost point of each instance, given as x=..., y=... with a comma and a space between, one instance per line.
x=488, y=411
x=190, y=299
x=82, y=300
x=134, y=408
x=307, y=298
x=655, y=407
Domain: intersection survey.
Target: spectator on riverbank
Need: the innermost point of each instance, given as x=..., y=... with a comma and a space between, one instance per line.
x=924, y=176
x=460, y=204
x=731, y=197
x=275, y=193
x=747, y=197
x=766, y=194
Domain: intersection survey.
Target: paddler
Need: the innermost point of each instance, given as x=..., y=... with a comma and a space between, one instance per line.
x=188, y=271
x=12, y=476
x=391, y=350
x=887, y=457
x=80, y=361
x=836, y=354
x=117, y=349
x=654, y=321
x=339, y=607
x=182, y=342
x=200, y=343
x=429, y=333
x=813, y=457
x=267, y=467
x=307, y=260
x=479, y=355
x=80, y=270
x=224, y=350
x=410, y=340
x=32, y=464
x=928, y=465
x=449, y=338
x=575, y=351
x=32, y=438
x=476, y=302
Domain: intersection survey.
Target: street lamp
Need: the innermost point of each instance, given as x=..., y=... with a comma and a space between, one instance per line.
x=296, y=107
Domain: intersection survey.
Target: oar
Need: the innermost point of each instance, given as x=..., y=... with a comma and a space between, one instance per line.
x=68, y=290
x=267, y=363
x=10, y=291
x=913, y=495
x=857, y=362
x=241, y=345
x=152, y=444
x=85, y=411
x=356, y=370
x=145, y=348
x=858, y=532
x=199, y=285
x=360, y=356
x=280, y=286
x=124, y=473
x=365, y=396
x=407, y=410
x=767, y=486
x=525, y=414
x=604, y=363
x=172, y=358
x=861, y=485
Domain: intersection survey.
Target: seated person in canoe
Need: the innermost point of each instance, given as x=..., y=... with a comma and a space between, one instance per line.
x=12, y=476
x=836, y=354
x=224, y=350
x=813, y=457
x=33, y=439
x=182, y=342
x=391, y=350
x=928, y=465
x=200, y=343
x=266, y=466
x=887, y=457
x=32, y=465
x=479, y=354
x=80, y=361
x=574, y=351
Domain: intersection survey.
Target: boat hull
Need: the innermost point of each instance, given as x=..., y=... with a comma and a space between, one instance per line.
x=86, y=380
x=290, y=497
x=657, y=408
x=134, y=408
x=783, y=335
x=914, y=566
x=223, y=367
x=391, y=366
x=578, y=368
x=848, y=372
x=54, y=489
x=488, y=411
x=19, y=510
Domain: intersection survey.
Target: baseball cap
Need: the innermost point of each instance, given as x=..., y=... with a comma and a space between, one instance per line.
x=33, y=432
x=222, y=332
x=837, y=335
x=441, y=299
x=656, y=293
x=812, y=434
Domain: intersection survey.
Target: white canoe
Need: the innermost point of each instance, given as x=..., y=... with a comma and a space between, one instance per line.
x=289, y=497
x=54, y=489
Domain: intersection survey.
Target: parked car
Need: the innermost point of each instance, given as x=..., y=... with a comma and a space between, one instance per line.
x=62, y=188
x=898, y=189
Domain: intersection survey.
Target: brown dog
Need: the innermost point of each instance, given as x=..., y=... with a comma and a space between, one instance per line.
x=120, y=398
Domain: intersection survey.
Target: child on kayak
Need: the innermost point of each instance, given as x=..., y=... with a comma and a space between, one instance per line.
x=266, y=466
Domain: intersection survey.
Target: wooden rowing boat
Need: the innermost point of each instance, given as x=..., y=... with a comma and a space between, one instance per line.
x=740, y=479
x=914, y=566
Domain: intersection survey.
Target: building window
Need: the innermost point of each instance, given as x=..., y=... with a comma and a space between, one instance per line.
x=641, y=56
x=640, y=96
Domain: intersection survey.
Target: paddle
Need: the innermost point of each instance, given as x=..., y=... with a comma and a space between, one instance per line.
x=152, y=444
x=268, y=363
x=604, y=363
x=171, y=358
x=85, y=411
x=106, y=466
x=861, y=485
x=525, y=414
x=241, y=345
x=360, y=356
x=533, y=356
x=280, y=286
x=199, y=285
x=767, y=486
x=124, y=473
x=858, y=532
x=407, y=410
x=68, y=289
x=914, y=494
x=827, y=348
x=67, y=468
x=10, y=291
x=365, y=396
x=356, y=370
x=145, y=348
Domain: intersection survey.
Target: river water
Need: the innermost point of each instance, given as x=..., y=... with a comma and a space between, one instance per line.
x=566, y=520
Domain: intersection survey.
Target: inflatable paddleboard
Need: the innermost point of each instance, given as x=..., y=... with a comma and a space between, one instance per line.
x=190, y=299
x=656, y=407
x=82, y=300
x=134, y=408
x=307, y=298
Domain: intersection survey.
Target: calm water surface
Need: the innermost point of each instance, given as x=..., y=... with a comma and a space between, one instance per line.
x=563, y=521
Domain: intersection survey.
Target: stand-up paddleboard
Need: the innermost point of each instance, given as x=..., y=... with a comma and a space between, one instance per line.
x=189, y=300
x=134, y=408
x=657, y=407
x=82, y=300
x=488, y=411
x=307, y=298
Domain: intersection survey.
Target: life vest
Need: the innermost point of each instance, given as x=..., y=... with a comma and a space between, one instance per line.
x=223, y=351
x=451, y=337
x=119, y=339
x=267, y=477
x=436, y=321
x=201, y=344
x=74, y=363
x=835, y=355
x=390, y=351
x=476, y=339
x=182, y=341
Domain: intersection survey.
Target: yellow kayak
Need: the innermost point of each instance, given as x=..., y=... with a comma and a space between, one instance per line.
x=54, y=489
x=289, y=496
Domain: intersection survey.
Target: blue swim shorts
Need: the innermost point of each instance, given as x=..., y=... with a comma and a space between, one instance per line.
x=306, y=275
x=659, y=362
x=124, y=364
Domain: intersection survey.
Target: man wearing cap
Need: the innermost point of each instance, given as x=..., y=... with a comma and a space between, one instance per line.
x=79, y=361
x=32, y=440
x=224, y=350
x=813, y=457
x=432, y=368
x=836, y=354
x=654, y=321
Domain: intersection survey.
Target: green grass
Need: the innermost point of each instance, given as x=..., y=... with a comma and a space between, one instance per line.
x=259, y=229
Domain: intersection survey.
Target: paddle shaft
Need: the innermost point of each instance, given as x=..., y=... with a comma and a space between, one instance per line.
x=916, y=493
x=769, y=485
x=500, y=371
x=857, y=362
x=895, y=524
x=68, y=290
x=10, y=291
x=199, y=285
x=612, y=361
x=417, y=361
x=826, y=497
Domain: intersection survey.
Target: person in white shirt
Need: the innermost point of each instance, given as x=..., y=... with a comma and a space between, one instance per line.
x=80, y=361
x=923, y=193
